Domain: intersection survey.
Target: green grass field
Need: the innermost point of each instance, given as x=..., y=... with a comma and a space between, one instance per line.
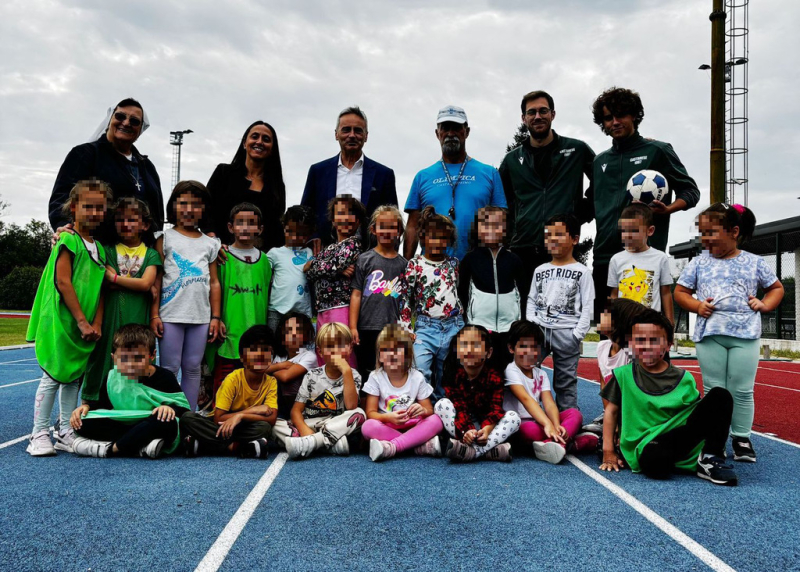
x=12, y=331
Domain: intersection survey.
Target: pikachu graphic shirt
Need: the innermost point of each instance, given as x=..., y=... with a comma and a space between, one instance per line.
x=639, y=276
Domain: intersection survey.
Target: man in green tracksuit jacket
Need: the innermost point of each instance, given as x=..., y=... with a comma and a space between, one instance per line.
x=619, y=112
x=541, y=178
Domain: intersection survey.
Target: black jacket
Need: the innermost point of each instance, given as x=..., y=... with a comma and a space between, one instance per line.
x=100, y=160
x=489, y=286
x=229, y=187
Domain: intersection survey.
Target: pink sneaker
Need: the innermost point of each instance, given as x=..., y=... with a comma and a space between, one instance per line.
x=584, y=443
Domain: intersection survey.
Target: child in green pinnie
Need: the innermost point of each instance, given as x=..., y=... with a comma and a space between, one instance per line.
x=140, y=407
x=244, y=280
x=131, y=271
x=67, y=313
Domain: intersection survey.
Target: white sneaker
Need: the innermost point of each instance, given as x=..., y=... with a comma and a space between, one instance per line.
x=152, y=449
x=550, y=451
x=379, y=450
x=302, y=446
x=91, y=448
x=64, y=442
x=41, y=445
x=340, y=448
x=432, y=448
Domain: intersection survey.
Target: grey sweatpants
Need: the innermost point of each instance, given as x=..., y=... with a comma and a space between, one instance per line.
x=566, y=350
x=332, y=427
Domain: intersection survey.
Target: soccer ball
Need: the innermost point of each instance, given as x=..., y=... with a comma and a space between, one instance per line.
x=648, y=186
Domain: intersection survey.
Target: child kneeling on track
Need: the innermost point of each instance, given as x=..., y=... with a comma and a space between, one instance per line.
x=246, y=407
x=475, y=399
x=615, y=323
x=527, y=392
x=140, y=418
x=665, y=423
x=326, y=407
x=399, y=410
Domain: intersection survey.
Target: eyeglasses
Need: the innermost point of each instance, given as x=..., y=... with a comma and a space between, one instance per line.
x=543, y=111
x=132, y=119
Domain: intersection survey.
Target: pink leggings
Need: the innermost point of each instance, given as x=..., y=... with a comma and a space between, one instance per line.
x=531, y=431
x=407, y=436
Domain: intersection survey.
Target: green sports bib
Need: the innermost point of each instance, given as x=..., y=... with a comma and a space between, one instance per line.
x=245, y=298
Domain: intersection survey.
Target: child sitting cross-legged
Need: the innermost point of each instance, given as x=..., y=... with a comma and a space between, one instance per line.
x=473, y=411
x=144, y=401
x=665, y=424
x=398, y=401
x=326, y=407
x=246, y=406
x=543, y=427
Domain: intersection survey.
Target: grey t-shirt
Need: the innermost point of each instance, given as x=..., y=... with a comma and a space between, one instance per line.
x=639, y=276
x=378, y=277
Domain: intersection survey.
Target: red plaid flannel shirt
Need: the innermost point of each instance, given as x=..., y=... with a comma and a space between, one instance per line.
x=479, y=398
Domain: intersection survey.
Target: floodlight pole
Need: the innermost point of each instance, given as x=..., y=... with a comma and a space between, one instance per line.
x=717, y=166
x=176, y=139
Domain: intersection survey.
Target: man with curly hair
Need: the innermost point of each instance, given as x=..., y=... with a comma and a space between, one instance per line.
x=618, y=112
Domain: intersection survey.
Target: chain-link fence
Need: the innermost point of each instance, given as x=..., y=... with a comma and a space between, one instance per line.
x=779, y=244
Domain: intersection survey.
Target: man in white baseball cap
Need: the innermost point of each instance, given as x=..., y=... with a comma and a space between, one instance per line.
x=457, y=185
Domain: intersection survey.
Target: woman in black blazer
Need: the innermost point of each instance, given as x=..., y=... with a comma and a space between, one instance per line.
x=254, y=176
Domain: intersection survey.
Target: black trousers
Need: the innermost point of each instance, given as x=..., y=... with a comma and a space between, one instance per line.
x=710, y=422
x=129, y=438
x=365, y=351
x=532, y=257
x=205, y=430
x=601, y=290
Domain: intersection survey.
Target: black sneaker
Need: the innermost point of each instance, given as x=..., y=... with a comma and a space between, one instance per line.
x=191, y=446
x=257, y=449
x=743, y=450
x=714, y=469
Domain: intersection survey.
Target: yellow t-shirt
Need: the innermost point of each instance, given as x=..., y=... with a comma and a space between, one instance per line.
x=235, y=395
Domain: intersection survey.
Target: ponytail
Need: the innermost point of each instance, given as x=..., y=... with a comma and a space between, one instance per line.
x=732, y=216
x=430, y=219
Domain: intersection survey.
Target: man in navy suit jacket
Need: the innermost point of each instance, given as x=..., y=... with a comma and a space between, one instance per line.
x=350, y=172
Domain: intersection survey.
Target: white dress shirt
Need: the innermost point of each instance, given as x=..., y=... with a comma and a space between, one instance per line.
x=348, y=181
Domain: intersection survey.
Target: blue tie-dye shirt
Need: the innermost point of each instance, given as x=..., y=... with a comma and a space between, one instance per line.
x=729, y=282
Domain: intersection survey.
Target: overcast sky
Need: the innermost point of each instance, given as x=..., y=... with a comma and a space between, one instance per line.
x=215, y=67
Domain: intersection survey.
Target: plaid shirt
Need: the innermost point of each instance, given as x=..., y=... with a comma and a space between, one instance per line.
x=479, y=398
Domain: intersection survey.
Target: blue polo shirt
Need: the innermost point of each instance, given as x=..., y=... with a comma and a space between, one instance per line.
x=480, y=186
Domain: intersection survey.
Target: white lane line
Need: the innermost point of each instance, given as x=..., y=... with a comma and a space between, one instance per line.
x=779, y=387
x=14, y=441
x=703, y=554
x=17, y=361
x=20, y=382
x=780, y=370
x=219, y=550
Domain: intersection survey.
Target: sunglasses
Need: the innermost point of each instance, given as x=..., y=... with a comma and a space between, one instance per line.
x=132, y=119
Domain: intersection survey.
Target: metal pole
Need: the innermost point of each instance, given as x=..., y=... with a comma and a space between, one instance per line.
x=180, y=144
x=717, y=167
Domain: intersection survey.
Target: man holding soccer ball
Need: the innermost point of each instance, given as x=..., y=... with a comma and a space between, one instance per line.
x=618, y=112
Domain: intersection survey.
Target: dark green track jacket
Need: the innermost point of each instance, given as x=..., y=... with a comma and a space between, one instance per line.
x=531, y=202
x=613, y=168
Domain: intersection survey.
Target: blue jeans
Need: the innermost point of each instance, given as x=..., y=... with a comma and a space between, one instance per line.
x=432, y=346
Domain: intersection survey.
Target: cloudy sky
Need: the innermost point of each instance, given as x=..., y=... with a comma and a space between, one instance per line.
x=214, y=67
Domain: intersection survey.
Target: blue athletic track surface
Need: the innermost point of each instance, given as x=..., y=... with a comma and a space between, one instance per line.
x=69, y=513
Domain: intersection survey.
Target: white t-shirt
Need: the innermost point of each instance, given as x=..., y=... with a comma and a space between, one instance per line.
x=533, y=386
x=187, y=280
x=289, y=290
x=307, y=358
x=92, y=248
x=562, y=297
x=392, y=399
x=608, y=363
x=639, y=276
